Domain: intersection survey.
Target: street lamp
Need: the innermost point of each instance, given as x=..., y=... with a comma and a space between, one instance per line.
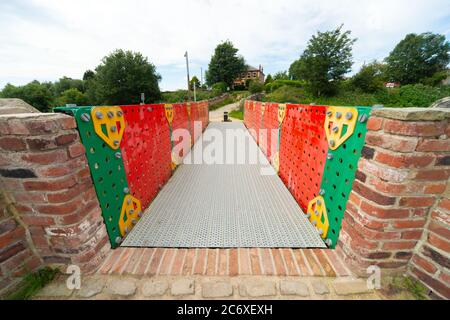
x=187, y=70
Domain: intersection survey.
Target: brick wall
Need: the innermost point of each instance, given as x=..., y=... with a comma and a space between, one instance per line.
x=49, y=212
x=398, y=213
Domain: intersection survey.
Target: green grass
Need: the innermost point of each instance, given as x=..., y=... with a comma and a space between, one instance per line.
x=33, y=282
x=228, y=100
x=237, y=114
x=410, y=285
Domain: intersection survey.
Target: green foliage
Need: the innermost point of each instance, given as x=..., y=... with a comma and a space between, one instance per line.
x=228, y=100
x=417, y=57
x=237, y=114
x=279, y=83
x=66, y=83
x=33, y=282
x=196, y=81
x=370, y=78
x=225, y=65
x=220, y=87
x=410, y=285
x=269, y=79
x=436, y=79
x=256, y=87
x=417, y=95
x=72, y=96
x=281, y=75
x=37, y=94
x=182, y=95
x=123, y=76
x=327, y=58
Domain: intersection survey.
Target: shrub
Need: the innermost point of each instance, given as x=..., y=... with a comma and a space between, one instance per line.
x=220, y=87
x=256, y=87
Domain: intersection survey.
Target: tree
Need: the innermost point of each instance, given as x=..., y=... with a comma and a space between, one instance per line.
x=123, y=76
x=269, y=79
x=281, y=75
x=66, y=83
x=72, y=96
x=88, y=75
x=255, y=87
x=370, y=78
x=326, y=59
x=196, y=81
x=295, y=71
x=37, y=94
x=225, y=65
x=418, y=57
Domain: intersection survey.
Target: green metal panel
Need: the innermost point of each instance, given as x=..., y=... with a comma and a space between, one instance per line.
x=339, y=174
x=107, y=171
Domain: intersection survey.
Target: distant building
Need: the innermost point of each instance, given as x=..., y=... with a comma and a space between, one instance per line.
x=392, y=84
x=252, y=73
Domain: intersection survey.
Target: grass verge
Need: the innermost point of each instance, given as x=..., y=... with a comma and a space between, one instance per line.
x=33, y=282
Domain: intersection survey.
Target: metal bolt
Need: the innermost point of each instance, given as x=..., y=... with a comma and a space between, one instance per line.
x=321, y=192
x=329, y=113
x=116, y=142
x=129, y=201
x=335, y=129
x=316, y=213
x=131, y=211
x=348, y=115
x=133, y=221
x=338, y=115
x=85, y=117
x=363, y=118
x=118, y=240
x=110, y=114
x=330, y=156
x=126, y=230
x=119, y=113
x=139, y=214
x=319, y=202
x=126, y=190
x=320, y=230
x=314, y=222
x=99, y=115
x=149, y=109
x=113, y=128
x=118, y=155
x=332, y=143
x=308, y=215
x=328, y=242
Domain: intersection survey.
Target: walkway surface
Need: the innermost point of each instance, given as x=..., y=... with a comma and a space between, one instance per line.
x=217, y=115
x=224, y=205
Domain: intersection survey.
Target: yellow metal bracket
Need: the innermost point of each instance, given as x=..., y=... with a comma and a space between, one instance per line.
x=109, y=124
x=188, y=109
x=339, y=125
x=276, y=161
x=263, y=108
x=168, y=108
x=317, y=215
x=130, y=214
x=281, y=113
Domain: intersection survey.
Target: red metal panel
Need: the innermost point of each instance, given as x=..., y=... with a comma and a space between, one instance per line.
x=270, y=121
x=303, y=151
x=180, y=121
x=146, y=150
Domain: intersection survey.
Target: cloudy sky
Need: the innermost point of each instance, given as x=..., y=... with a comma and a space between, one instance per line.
x=48, y=39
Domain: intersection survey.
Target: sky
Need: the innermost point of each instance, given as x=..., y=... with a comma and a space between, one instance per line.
x=48, y=39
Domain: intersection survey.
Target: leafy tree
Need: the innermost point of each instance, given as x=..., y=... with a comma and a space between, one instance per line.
x=294, y=70
x=326, y=59
x=225, y=65
x=281, y=75
x=88, y=75
x=220, y=87
x=256, y=87
x=370, y=78
x=37, y=94
x=192, y=81
x=417, y=57
x=269, y=79
x=72, y=96
x=66, y=83
x=123, y=76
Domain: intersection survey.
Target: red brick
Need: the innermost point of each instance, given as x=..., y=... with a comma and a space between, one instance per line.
x=57, y=209
x=200, y=262
x=356, y=239
x=8, y=252
x=374, y=123
x=291, y=267
x=434, y=145
x=445, y=276
x=155, y=262
x=29, y=197
x=23, y=209
x=433, y=174
x=76, y=150
x=233, y=264
x=399, y=245
x=278, y=261
x=391, y=142
x=143, y=263
x=439, y=242
x=384, y=213
x=37, y=220
x=7, y=225
x=417, y=201
x=50, y=185
x=254, y=259
x=244, y=262
x=222, y=267
x=12, y=144
x=315, y=267
x=355, y=198
x=412, y=128
x=404, y=161
x=11, y=237
x=177, y=266
x=372, y=195
x=382, y=172
x=438, y=188
x=412, y=234
x=41, y=144
x=443, y=231
x=189, y=261
x=326, y=266
x=39, y=126
x=266, y=259
x=445, y=204
x=435, y=284
x=408, y=224
x=211, y=264
x=67, y=195
x=67, y=123
x=419, y=212
x=338, y=265
x=166, y=262
x=424, y=264
x=56, y=171
x=66, y=139
x=55, y=156
x=387, y=187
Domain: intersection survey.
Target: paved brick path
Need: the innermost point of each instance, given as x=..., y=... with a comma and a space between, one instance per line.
x=225, y=262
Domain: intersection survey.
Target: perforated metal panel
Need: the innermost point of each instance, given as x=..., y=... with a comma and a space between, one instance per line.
x=224, y=206
x=339, y=174
x=303, y=151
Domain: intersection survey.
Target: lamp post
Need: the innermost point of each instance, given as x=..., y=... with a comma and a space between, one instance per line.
x=187, y=70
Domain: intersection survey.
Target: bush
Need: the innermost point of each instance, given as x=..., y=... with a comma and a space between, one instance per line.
x=256, y=87
x=72, y=96
x=274, y=85
x=417, y=95
x=220, y=87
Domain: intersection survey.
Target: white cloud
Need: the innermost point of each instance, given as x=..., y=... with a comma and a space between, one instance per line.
x=47, y=39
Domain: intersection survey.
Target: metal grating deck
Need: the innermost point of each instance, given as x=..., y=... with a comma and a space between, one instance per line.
x=224, y=206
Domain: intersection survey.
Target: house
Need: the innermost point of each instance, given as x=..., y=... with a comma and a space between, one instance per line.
x=252, y=73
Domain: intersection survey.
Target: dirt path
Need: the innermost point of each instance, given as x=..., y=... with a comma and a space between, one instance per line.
x=217, y=115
